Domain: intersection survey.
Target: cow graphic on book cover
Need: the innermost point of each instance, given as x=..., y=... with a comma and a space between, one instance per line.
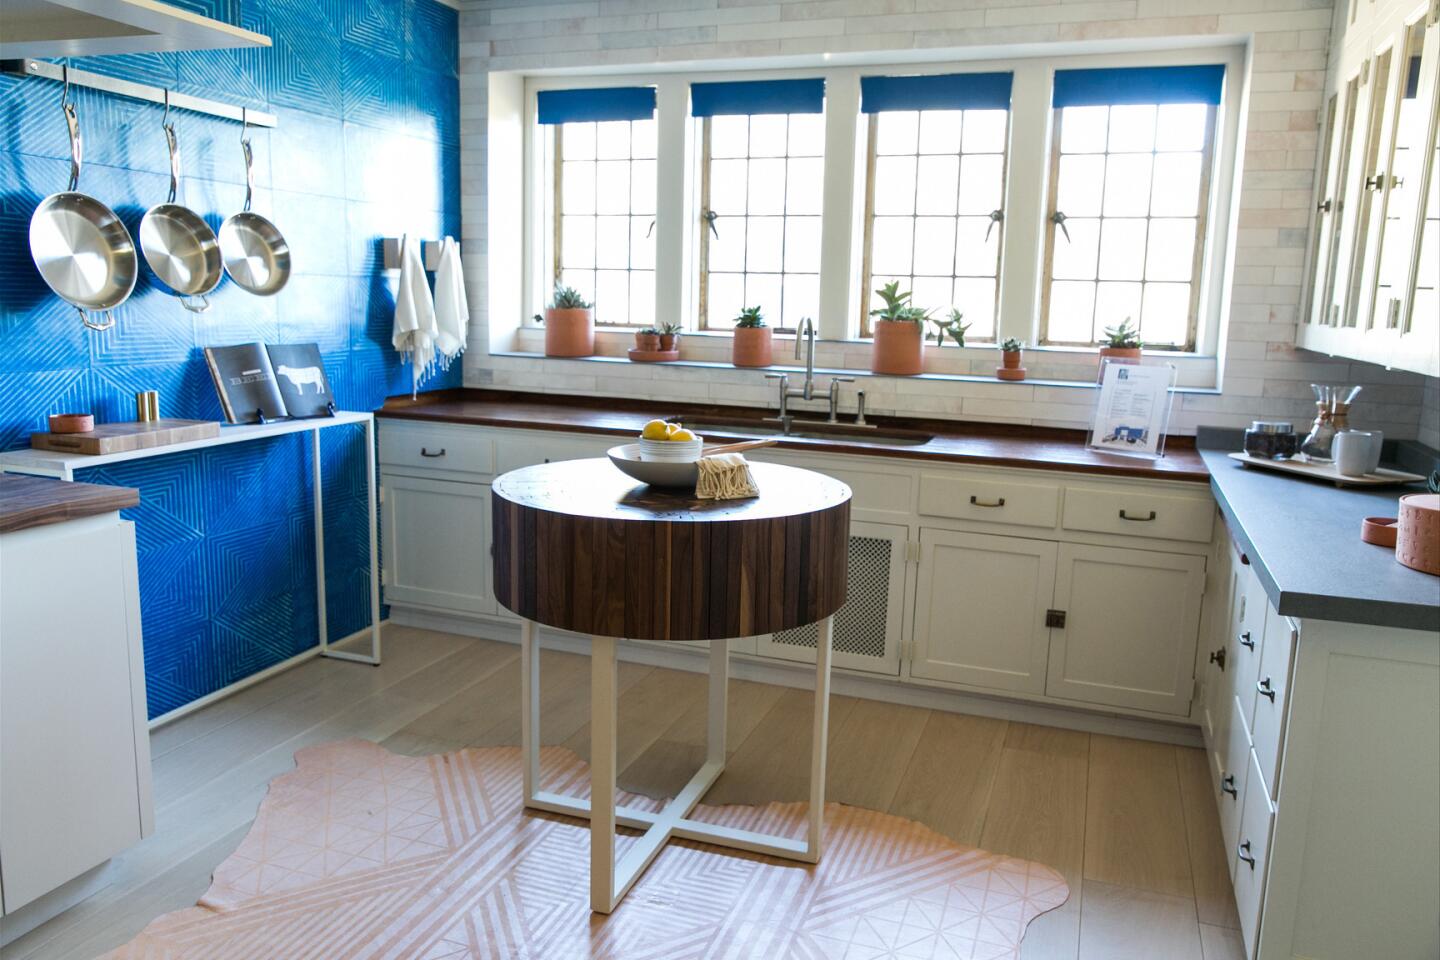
x=258, y=382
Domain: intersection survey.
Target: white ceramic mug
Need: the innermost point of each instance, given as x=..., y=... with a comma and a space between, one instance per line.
x=1357, y=452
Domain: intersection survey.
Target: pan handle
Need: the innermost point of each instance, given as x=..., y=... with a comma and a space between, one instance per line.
x=85, y=319
x=188, y=305
x=72, y=123
x=249, y=159
x=172, y=143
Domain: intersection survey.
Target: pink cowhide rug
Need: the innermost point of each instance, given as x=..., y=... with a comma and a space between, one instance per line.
x=360, y=852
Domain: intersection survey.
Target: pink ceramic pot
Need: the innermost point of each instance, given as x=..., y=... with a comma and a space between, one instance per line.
x=899, y=348
x=751, y=347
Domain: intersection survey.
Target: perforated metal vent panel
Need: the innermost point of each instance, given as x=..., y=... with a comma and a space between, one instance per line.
x=860, y=623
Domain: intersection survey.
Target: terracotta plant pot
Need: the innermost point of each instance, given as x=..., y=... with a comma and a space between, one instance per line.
x=647, y=341
x=899, y=348
x=669, y=341
x=569, y=332
x=751, y=347
x=1010, y=368
x=1131, y=354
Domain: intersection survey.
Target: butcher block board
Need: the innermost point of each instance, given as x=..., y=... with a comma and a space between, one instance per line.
x=1327, y=472
x=123, y=437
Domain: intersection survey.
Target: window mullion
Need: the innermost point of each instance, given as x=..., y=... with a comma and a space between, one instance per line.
x=842, y=113
x=671, y=210
x=1024, y=248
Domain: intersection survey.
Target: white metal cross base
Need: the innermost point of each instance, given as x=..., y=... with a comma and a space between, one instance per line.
x=610, y=881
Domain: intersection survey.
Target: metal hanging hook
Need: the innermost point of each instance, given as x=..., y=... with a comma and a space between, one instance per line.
x=244, y=124
x=65, y=90
x=165, y=117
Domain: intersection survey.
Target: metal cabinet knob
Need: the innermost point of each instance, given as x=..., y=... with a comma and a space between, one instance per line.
x=1245, y=640
x=1244, y=853
x=1217, y=657
x=1227, y=785
x=425, y=452
x=1266, y=689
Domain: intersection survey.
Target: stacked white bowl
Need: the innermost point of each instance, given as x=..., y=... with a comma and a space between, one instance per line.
x=671, y=451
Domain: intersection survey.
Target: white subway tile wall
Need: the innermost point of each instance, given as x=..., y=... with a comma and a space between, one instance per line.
x=1265, y=376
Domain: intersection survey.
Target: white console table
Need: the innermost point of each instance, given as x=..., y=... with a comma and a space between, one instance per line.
x=48, y=463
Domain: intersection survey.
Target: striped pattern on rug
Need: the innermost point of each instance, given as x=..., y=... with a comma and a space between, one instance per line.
x=362, y=853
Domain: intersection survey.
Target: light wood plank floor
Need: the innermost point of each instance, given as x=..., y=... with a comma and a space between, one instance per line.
x=1131, y=825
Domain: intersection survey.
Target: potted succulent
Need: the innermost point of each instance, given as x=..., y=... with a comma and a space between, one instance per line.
x=751, y=346
x=954, y=328
x=899, y=333
x=569, y=325
x=1122, y=342
x=669, y=336
x=647, y=339
x=1011, y=353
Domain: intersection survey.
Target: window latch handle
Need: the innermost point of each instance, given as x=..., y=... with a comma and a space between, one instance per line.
x=1058, y=218
x=709, y=217
x=650, y=229
x=996, y=216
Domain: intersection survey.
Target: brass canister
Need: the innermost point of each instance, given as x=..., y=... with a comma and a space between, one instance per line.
x=147, y=406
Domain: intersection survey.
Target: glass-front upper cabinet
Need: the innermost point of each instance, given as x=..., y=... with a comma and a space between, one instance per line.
x=1400, y=177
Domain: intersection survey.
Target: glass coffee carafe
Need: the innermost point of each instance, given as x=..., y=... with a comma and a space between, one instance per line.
x=1332, y=414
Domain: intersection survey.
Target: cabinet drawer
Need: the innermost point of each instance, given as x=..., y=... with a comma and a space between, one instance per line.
x=1251, y=855
x=1247, y=639
x=990, y=501
x=516, y=450
x=1139, y=514
x=1268, y=730
x=436, y=446
x=1234, y=770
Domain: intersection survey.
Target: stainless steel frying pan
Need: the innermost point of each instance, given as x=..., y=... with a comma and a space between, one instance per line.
x=178, y=245
x=83, y=251
x=255, y=254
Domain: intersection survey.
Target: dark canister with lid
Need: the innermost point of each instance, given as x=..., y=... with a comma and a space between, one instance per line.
x=1271, y=439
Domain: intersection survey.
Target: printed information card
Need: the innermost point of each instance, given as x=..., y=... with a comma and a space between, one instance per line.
x=1134, y=409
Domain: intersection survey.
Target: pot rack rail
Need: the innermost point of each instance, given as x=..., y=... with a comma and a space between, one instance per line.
x=136, y=91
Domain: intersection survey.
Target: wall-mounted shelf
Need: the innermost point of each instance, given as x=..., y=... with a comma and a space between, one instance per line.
x=135, y=91
x=87, y=28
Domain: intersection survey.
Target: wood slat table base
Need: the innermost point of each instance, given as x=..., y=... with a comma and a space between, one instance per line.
x=610, y=881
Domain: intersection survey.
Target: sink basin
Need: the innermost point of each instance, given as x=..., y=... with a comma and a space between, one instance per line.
x=843, y=433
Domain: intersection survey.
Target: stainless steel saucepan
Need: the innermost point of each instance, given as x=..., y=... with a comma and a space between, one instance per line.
x=178, y=245
x=255, y=253
x=82, y=250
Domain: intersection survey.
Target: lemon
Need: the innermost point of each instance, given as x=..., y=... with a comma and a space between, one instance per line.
x=670, y=428
x=655, y=430
x=681, y=436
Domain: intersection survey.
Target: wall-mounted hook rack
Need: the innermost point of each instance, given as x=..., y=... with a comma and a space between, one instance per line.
x=429, y=253
x=135, y=91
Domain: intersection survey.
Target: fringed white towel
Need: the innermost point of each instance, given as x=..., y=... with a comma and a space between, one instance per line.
x=452, y=313
x=724, y=476
x=415, y=332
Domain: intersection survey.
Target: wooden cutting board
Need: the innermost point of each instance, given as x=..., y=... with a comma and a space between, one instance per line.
x=121, y=437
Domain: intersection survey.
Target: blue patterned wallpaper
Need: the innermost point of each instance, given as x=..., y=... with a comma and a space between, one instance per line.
x=366, y=147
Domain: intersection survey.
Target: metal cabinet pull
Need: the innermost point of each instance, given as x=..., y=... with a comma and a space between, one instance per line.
x=1244, y=853
x=1126, y=516
x=425, y=452
x=1323, y=206
x=1227, y=785
x=994, y=503
x=1266, y=689
x=1217, y=657
x=1245, y=640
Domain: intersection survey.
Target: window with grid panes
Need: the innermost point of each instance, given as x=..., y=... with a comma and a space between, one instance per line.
x=934, y=191
x=1131, y=161
x=604, y=193
x=761, y=195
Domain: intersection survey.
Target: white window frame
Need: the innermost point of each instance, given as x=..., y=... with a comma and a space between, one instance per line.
x=1026, y=191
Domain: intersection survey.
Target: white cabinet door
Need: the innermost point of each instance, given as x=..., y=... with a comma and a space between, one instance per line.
x=437, y=545
x=1131, y=622
x=980, y=610
x=867, y=627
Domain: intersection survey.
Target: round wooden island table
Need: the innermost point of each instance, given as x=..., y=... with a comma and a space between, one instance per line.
x=582, y=547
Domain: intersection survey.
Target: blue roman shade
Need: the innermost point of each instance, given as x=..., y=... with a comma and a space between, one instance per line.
x=949, y=91
x=1092, y=88
x=744, y=97
x=596, y=103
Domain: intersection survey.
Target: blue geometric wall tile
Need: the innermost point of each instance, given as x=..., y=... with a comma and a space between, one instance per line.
x=152, y=68
x=372, y=86
x=259, y=482
x=432, y=104
x=375, y=25
x=27, y=398
x=432, y=35
x=246, y=565
x=316, y=310
x=303, y=68
x=312, y=226
x=210, y=150
x=45, y=336
x=171, y=509
x=310, y=155
x=237, y=316
x=150, y=328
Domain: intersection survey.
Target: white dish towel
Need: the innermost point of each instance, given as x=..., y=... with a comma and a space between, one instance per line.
x=452, y=313
x=415, y=330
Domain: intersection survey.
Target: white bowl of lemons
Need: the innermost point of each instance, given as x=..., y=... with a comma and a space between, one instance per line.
x=662, y=442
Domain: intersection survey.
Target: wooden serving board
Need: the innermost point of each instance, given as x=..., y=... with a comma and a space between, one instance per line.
x=1327, y=471
x=122, y=437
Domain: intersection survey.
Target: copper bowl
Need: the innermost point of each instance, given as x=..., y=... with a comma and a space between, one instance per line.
x=71, y=422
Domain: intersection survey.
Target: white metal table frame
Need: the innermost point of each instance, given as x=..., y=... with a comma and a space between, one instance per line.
x=47, y=463
x=611, y=881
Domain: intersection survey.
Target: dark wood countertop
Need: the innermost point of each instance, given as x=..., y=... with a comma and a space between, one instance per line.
x=36, y=501
x=953, y=441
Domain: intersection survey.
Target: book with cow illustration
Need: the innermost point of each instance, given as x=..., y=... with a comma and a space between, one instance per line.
x=258, y=383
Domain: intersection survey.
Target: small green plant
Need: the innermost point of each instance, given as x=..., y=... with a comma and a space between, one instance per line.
x=1123, y=336
x=670, y=329
x=568, y=298
x=954, y=328
x=749, y=319
x=1011, y=345
x=897, y=306
x=647, y=332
